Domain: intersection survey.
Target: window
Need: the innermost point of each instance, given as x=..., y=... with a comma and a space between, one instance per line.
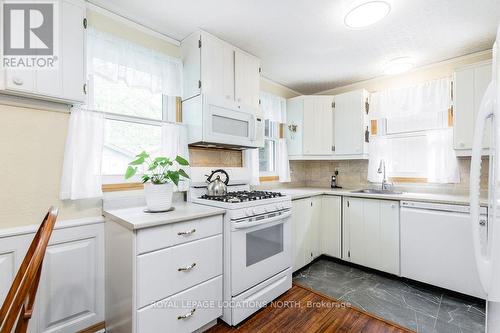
x=415, y=138
x=135, y=88
x=268, y=154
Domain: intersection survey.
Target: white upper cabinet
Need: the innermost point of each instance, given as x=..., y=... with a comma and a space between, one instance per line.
x=66, y=83
x=351, y=123
x=217, y=70
x=470, y=84
x=318, y=125
x=310, y=127
x=294, y=130
x=220, y=70
x=246, y=79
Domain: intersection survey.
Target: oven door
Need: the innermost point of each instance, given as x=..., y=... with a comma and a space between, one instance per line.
x=227, y=124
x=260, y=249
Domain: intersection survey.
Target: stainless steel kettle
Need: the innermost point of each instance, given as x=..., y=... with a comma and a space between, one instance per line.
x=216, y=187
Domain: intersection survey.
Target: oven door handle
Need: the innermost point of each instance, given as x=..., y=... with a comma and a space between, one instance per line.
x=246, y=225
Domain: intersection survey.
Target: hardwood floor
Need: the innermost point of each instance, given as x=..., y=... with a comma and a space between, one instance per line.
x=327, y=315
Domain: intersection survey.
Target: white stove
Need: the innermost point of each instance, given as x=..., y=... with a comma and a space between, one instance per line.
x=257, y=247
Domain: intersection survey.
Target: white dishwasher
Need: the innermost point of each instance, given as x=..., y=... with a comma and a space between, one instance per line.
x=436, y=246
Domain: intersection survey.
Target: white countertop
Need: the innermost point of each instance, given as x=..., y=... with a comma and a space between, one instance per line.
x=455, y=199
x=135, y=218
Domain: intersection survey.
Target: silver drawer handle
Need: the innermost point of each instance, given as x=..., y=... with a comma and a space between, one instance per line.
x=482, y=223
x=183, y=233
x=17, y=81
x=187, y=315
x=187, y=268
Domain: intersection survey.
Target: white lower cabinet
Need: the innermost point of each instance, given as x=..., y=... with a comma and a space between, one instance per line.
x=301, y=219
x=187, y=311
x=371, y=233
x=316, y=228
x=330, y=226
x=166, y=278
x=70, y=296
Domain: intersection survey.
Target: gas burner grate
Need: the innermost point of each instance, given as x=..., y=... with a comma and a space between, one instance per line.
x=243, y=196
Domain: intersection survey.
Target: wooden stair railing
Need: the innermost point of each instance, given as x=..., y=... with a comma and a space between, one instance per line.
x=17, y=307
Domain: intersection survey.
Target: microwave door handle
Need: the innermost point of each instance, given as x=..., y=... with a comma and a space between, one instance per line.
x=246, y=225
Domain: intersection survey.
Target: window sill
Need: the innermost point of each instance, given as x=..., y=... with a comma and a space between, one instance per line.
x=122, y=187
x=269, y=178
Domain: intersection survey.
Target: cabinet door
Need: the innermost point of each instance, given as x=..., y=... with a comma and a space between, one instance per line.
x=301, y=210
x=294, y=119
x=354, y=231
x=314, y=235
x=371, y=233
x=67, y=81
x=318, y=125
x=73, y=40
x=331, y=225
x=349, y=132
x=191, y=66
x=73, y=275
x=469, y=87
x=214, y=71
x=389, y=237
x=246, y=80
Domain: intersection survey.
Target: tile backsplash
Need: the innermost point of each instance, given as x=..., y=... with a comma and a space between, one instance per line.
x=353, y=174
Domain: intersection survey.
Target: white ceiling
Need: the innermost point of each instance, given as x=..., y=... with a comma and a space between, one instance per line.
x=304, y=44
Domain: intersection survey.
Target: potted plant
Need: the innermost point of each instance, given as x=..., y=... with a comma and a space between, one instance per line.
x=157, y=178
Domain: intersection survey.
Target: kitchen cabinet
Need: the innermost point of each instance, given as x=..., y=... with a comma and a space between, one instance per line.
x=316, y=226
x=67, y=82
x=310, y=127
x=301, y=220
x=246, y=79
x=215, y=68
x=330, y=226
x=295, y=122
x=70, y=296
x=351, y=123
x=158, y=277
x=318, y=125
x=470, y=84
x=314, y=231
x=371, y=233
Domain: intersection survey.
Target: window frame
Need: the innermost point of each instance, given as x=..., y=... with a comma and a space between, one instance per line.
x=116, y=182
x=273, y=135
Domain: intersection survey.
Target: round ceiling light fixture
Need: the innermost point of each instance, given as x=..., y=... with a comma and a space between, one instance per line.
x=363, y=13
x=398, y=66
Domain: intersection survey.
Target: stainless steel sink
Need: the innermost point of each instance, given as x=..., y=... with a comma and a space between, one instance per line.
x=376, y=191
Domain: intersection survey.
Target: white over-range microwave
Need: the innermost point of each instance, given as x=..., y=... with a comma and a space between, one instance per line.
x=218, y=122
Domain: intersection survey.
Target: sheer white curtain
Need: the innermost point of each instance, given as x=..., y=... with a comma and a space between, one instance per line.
x=81, y=177
x=116, y=60
x=174, y=142
x=415, y=140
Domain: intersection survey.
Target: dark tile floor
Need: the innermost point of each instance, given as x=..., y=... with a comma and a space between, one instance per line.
x=409, y=305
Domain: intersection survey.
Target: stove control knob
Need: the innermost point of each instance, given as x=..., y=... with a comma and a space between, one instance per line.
x=248, y=212
x=254, y=211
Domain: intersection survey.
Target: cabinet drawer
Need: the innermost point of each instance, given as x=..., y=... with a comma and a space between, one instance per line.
x=169, y=271
x=156, y=238
x=205, y=299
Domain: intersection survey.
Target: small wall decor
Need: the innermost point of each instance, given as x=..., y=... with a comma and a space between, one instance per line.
x=293, y=130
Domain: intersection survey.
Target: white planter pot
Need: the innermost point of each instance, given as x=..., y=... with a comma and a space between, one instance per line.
x=158, y=197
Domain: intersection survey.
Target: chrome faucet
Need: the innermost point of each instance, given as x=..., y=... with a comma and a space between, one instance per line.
x=381, y=169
